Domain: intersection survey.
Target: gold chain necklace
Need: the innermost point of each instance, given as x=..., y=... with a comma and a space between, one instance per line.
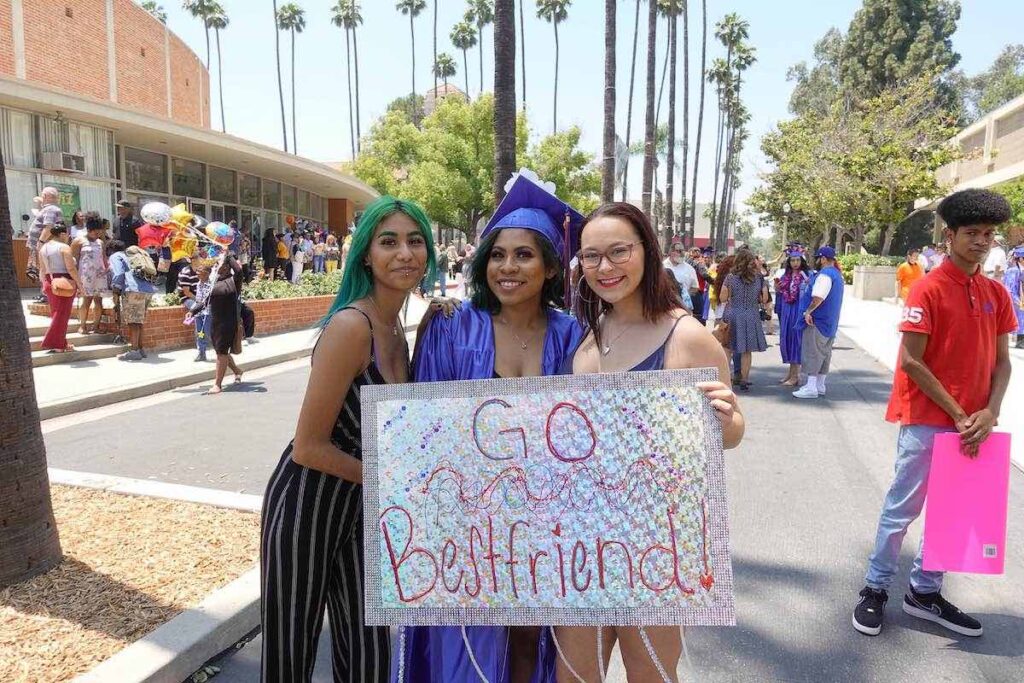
x=394, y=327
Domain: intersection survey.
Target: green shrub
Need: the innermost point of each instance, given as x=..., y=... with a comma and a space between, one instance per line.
x=849, y=261
x=310, y=284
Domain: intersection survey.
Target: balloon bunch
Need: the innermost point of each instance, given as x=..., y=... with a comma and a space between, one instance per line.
x=191, y=233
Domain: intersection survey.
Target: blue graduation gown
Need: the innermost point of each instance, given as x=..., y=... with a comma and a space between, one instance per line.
x=462, y=347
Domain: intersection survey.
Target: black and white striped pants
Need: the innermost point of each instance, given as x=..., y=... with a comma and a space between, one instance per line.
x=311, y=556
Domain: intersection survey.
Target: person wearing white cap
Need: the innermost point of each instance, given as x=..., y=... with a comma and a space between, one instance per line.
x=995, y=262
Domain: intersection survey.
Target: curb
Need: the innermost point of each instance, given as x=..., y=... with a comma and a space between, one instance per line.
x=100, y=399
x=172, y=652
x=175, y=650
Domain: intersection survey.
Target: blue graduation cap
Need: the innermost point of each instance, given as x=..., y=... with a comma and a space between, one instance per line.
x=529, y=206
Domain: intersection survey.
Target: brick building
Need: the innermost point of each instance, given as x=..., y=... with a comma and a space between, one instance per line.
x=126, y=114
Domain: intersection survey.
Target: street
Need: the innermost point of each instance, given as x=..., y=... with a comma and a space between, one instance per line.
x=805, y=489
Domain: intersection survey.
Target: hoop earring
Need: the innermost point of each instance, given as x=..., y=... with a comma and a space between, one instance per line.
x=579, y=295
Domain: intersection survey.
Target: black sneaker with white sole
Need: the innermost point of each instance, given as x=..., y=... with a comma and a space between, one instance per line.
x=867, y=616
x=934, y=607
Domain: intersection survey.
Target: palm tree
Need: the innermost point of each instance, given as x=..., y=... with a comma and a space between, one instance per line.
x=554, y=12
x=413, y=9
x=353, y=18
x=504, y=94
x=280, y=85
x=338, y=14
x=463, y=37
x=156, y=10
x=730, y=31
x=608, y=166
x=649, y=126
x=743, y=58
x=700, y=115
x=435, y=47
x=522, y=47
x=292, y=18
x=29, y=544
x=201, y=9
x=218, y=20
x=629, y=105
x=720, y=75
x=444, y=68
x=685, y=10
x=671, y=11
x=481, y=13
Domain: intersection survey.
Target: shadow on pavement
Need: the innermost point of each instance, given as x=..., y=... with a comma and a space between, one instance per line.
x=1001, y=639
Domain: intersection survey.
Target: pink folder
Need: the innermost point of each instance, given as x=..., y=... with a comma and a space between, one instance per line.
x=965, y=516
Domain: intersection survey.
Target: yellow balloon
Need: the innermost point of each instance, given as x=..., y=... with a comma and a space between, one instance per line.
x=181, y=215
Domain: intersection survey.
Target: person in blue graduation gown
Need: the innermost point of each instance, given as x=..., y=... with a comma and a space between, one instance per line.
x=511, y=327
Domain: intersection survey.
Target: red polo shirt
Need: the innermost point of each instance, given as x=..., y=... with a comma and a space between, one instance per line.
x=151, y=235
x=962, y=316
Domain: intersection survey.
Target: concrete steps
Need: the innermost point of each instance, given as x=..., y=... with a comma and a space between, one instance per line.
x=81, y=353
x=75, y=339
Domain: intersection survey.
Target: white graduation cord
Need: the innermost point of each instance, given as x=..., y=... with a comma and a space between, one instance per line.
x=565, y=661
x=401, y=654
x=686, y=655
x=600, y=649
x=472, y=657
x=654, y=657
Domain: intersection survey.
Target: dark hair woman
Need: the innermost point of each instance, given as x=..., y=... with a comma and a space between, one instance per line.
x=87, y=250
x=60, y=284
x=510, y=328
x=311, y=548
x=744, y=292
x=635, y=322
x=791, y=284
x=225, y=320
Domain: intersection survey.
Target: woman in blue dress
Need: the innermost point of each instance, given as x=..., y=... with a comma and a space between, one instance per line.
x=1013, y=279
x=635, y=322
x=787, y=295
x=511, y=327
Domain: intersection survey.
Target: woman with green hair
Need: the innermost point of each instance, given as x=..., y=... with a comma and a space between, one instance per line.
x=311, y=545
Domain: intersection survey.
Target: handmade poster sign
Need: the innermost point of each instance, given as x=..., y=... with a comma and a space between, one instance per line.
x=582, y=500
x=965, y=519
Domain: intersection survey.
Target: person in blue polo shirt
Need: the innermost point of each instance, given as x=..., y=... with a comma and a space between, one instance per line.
x=821, y=303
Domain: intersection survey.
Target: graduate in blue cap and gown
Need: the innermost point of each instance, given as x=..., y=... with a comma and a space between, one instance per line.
x=511, y=327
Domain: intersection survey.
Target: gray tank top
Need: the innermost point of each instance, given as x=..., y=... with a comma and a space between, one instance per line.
x=52, y=252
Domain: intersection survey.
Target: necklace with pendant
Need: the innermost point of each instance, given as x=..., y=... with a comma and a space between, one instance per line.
x=608, y=345
x=394, y=326
x=515, y=336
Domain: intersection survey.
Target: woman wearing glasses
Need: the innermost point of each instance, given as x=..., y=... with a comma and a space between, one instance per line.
x=510, y=328
x=635, y=322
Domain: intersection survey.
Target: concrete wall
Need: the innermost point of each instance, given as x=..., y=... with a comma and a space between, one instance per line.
x=122, y=56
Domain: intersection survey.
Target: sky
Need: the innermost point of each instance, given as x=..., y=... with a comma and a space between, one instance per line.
x=783, y=33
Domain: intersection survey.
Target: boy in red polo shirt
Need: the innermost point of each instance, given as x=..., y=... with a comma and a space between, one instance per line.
x=953, y=370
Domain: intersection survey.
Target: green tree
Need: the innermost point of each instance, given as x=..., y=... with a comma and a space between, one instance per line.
x=463, y=37
x=818, y=86
x=218, y=20
x=411, y=106
x=156, y=10
x=997, y=85
x=554, y=12
x=444, y=68
x=1014, y=193
x=353, y=19
x=201, y=9
x=480, y=13
x=412, y=8
x=890, y=42
x=559, y=159
x=292, y=18
x=339, y=15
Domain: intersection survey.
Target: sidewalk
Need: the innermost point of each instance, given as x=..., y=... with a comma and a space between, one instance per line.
x=872, y=325
x=72, y=387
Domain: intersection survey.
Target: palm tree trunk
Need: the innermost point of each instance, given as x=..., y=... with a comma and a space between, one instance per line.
x=348, y=75
x=713, y=235
x=649, y=132
x=465, y=71
x=480, y=37
x=29, y=544
x=280, y=85
x=295, y=132
x=700, y=118
x=554, y=124
x=522, y=45
x=608, y=167
x=208, y=44
x=412, y=37
x=629, y=105
x=686, y=120
x=504, y=94
x=435, y=49
x=355, y=53
x=220, y=84
x=670, y=161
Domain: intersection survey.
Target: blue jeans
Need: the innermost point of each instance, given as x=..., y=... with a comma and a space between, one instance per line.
x=442, y=279
x=318, y=264
x=903, y=504
x=201, y=323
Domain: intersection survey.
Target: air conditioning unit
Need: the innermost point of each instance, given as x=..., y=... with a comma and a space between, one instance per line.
x=63, y=161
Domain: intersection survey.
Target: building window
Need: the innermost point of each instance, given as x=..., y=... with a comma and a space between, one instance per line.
x=288, y=198
x=271, y=221
x=271, y=195
x=189, y=178
x=19, y=139
x=22, y=186
x=249, y=189
x=304, y=204
x=144, y=171
x=222, y=185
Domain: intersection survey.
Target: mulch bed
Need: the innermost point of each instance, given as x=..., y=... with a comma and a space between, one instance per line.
x=130, y=564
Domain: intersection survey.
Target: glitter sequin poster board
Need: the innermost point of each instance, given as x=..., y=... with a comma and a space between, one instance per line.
x=570, y=500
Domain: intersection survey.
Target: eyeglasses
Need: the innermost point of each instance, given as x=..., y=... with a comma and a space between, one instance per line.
x=620, y=253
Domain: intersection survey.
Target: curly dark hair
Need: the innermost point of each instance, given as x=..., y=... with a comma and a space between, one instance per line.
x=480, y=292
x=973, y=207
x=746, y=266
